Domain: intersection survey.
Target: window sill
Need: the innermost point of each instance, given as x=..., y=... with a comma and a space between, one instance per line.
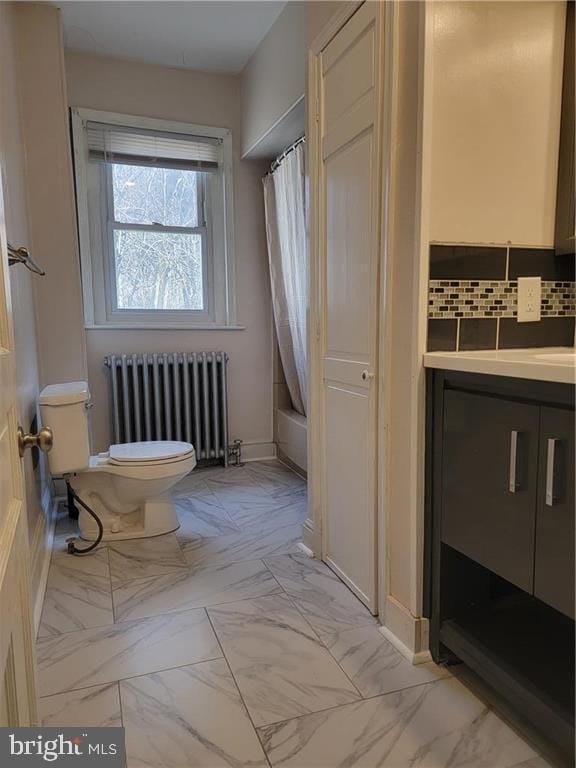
x=167, y=327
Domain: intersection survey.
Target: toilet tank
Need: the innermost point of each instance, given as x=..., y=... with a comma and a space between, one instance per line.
x=64, y=408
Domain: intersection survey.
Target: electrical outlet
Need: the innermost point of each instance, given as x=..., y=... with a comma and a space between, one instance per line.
x=529, y=299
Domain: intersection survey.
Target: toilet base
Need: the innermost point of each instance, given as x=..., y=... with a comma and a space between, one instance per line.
x=155, y=518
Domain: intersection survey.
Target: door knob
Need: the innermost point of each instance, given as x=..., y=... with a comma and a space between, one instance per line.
x=44, y=439
x=367, y=375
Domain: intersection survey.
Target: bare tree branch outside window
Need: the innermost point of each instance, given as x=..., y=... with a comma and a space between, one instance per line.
x=156, y=269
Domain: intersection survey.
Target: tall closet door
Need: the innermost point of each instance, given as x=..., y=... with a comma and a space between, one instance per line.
x=350, y=205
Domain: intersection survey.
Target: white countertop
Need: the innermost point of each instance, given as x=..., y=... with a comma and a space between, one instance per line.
x=540, y=363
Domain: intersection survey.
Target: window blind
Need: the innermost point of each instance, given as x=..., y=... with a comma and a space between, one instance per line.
x=130, y=146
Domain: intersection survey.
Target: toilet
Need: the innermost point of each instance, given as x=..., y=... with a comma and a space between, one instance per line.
x=128, y=486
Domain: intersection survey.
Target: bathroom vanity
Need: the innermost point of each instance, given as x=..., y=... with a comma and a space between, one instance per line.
x=500, y=530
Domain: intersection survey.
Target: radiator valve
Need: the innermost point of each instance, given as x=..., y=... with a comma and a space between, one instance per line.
x=235, y=452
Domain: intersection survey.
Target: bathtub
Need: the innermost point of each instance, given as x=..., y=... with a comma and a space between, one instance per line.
x=291, y=432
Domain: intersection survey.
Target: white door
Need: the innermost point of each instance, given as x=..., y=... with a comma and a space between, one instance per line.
x=350, y=235
x=17, y=679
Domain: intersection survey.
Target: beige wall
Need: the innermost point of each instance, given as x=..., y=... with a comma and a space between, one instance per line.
x=174, y=94
x=319, y=14
x=497, y=75
x=274, y=78
x=16, y=181
x=50, y=193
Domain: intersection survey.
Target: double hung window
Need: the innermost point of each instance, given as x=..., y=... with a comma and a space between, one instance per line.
x=154, y=234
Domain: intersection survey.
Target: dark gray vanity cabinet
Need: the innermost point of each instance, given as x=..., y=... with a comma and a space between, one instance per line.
x=554, y=555
x=507, y=490
x=499, y=543
x=489, y=476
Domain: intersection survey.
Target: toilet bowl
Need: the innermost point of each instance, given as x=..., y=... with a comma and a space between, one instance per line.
x=128, y=486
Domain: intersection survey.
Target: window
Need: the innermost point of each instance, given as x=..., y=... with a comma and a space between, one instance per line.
x=154, y=222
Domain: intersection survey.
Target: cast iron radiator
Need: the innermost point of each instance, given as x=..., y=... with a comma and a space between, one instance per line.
x=171, y=396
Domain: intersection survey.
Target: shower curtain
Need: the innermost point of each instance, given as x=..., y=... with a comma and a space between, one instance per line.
x=288, y=258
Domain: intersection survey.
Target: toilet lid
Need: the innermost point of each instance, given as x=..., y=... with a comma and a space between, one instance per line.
x=152, y=451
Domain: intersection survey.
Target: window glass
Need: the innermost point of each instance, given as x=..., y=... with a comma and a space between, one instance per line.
x=145, y=195
x=158, y=270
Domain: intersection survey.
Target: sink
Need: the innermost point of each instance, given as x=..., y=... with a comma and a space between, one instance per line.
x=559, y=357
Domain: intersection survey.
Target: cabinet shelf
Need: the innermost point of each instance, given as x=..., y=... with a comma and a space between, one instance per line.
x=516, y=635
x=526, y=654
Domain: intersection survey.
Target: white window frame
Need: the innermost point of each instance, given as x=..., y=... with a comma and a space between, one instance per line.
x=96, y=225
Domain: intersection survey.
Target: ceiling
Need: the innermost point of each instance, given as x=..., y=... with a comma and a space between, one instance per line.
x=214, y=36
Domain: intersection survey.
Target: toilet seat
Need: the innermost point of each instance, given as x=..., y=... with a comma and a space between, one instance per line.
x=149, y=453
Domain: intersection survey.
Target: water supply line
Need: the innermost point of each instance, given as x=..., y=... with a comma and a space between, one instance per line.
x=72, y=548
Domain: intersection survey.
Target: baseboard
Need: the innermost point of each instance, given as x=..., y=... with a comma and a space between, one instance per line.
x=258, y=451
x=407, y=633
x=282, y=458
x=414, y=658
x=42, y=551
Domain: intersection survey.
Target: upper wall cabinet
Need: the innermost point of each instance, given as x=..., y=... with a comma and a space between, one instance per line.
x=566, y=197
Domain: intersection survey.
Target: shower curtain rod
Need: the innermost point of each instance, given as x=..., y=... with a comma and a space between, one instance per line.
x=283, y=154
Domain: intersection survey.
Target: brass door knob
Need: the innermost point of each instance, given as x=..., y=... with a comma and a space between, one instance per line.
x=44, y=440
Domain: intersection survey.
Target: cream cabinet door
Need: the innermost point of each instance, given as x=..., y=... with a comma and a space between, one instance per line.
x=350, y=181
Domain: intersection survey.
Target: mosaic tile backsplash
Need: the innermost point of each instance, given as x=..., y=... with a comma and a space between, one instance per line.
x=495, y=298
x=472, y=298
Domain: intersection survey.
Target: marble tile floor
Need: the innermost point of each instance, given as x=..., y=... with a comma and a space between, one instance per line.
x=222, y=644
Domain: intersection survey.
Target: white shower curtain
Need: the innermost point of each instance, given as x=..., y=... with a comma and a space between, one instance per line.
x=287, y=255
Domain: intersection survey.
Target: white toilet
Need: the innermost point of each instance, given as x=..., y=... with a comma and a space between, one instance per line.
x=128, y=486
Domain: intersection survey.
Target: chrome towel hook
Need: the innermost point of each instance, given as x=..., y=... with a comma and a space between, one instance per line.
x=22, y=256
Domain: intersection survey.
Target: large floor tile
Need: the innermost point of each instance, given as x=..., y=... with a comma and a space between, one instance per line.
x=196, y=483
x=243, y=546
x=78, y=593
x=192, y=716
x=143, y=558
x=277, y=479
x=269, y=515
x=280, y=665
x=374, y=665
x=105, y=654
x=98, y=706
x=196, y=480
x=432, y=726
x=324, y=600
x=201, y=516
x=198, y=588
x=239, y=493
x=233, y=477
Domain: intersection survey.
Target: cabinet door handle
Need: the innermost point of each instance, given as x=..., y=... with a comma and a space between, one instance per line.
x=550, y=460
x=513, y=484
